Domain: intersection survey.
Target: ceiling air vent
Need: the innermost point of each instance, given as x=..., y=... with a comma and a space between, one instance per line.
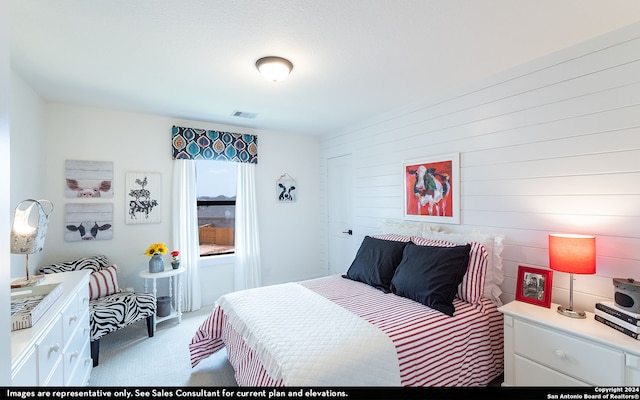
x=243, y=114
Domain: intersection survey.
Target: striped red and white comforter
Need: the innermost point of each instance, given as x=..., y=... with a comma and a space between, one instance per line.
x=433, y=349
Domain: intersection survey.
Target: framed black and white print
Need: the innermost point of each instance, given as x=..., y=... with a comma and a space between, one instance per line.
x=534, y=285
x=143, y=198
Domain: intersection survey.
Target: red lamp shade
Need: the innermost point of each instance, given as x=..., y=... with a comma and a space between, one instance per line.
x=574, y=254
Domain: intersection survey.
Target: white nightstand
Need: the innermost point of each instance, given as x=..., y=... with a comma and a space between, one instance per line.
x=544, y=348
x=175, y=285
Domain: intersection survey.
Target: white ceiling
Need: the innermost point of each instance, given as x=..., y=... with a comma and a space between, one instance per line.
x=353, y=59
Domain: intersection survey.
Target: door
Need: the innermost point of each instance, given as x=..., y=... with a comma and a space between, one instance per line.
x=340, y=213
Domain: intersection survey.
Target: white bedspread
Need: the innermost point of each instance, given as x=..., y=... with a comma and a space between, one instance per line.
x=311, y=341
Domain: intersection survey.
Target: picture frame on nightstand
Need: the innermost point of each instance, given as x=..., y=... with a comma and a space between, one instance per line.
x=534, y=286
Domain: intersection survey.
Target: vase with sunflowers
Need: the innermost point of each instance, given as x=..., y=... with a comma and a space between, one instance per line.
x=156, y=262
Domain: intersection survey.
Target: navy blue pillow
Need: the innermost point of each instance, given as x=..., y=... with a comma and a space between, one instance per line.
x=376, y=262
x=430, y=275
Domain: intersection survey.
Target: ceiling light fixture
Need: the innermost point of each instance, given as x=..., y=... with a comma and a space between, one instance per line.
x=274, y=69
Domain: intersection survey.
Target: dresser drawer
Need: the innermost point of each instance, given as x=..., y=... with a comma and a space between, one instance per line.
x=569, y=355
x=49, y=351
x=71, y=318
x=73, y=354
x=80, y=374
x=23, y=375
x=57, y=376
x=82, y=298
x=71, y=315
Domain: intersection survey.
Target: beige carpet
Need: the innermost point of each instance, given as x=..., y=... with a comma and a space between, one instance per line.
x=129, y=357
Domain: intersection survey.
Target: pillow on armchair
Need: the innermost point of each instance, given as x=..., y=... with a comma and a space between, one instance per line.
x=103, y=282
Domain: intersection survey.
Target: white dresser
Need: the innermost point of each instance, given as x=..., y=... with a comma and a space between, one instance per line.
x=544, y=348
x=56, y=350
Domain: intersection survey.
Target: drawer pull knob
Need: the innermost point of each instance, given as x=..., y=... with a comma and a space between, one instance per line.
x=54, y=348
x=560, y=354
x=73, y=318
x=73, y=355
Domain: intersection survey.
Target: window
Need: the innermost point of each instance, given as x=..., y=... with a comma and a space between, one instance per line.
x=216, y=181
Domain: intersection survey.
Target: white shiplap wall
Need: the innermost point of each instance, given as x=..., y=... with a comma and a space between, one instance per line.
x=549, y=146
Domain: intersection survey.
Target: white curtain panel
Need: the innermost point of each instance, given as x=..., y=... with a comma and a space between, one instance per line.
x=248, y=271
x=185, y=231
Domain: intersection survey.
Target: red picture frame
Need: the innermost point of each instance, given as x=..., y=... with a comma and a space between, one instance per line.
x=534, y=286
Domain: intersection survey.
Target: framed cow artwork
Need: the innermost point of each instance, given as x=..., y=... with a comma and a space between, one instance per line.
x=286, y=189
x=431, y=189
x=88, y=221
x=142, y=197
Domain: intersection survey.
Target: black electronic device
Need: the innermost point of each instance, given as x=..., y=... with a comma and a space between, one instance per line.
x=627, y=294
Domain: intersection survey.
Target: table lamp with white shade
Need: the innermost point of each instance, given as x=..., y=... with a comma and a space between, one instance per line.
x=29, y=229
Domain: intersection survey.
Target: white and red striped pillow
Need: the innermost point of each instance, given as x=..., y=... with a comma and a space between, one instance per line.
x=471, y=288
x=104, y=282
x=393, y=237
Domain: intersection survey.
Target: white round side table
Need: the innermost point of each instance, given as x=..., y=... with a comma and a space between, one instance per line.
x=174, y=283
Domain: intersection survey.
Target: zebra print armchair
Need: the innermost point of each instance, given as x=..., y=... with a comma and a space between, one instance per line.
x=110, y=308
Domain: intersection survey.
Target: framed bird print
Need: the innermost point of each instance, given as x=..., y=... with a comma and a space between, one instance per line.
x=143, y=198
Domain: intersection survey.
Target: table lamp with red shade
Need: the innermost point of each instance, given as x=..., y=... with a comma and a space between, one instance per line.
x=575, y=254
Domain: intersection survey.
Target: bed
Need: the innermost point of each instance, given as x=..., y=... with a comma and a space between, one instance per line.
x=377, y=325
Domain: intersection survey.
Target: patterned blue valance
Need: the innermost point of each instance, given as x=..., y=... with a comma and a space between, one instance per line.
x=201, y=144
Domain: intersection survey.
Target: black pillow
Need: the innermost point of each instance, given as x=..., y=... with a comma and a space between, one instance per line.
x=430, y=275
x=375, y=262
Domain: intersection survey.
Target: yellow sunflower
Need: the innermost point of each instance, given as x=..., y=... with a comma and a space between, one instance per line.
x=156, y=248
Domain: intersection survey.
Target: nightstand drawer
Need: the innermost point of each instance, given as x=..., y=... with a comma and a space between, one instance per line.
x=534, y=374
x=569, y=355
